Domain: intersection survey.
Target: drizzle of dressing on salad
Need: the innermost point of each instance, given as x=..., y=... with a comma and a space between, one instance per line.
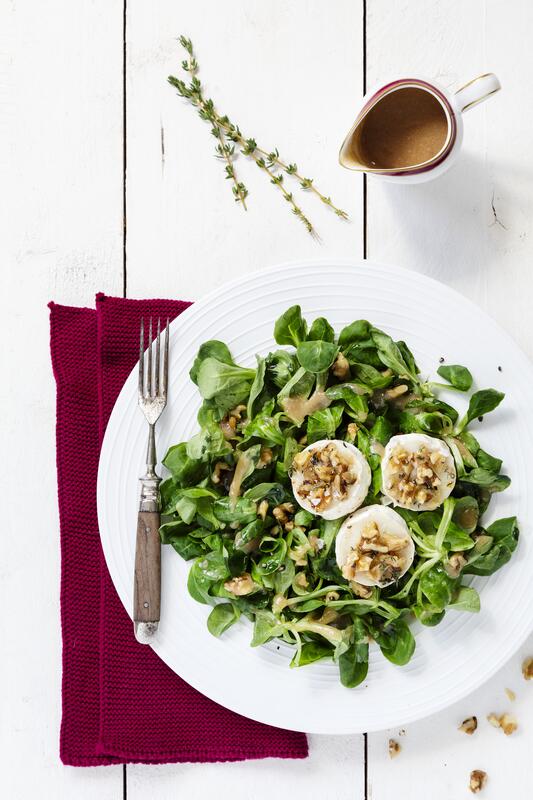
x=298, y=408
x=243, y=463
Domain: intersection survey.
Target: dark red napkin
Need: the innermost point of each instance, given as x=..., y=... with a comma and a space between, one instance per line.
x=121, y=703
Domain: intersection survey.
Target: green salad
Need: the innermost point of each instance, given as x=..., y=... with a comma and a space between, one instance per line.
x=331, y=496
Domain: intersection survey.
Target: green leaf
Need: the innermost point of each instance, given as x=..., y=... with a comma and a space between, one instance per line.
x=222, y=617
x=208, y=442
x=228, y=384
x=497, y=547
x=211, y=349
x=323, y=424
x=437, y=586
x=396, y=641
x=353, y=663
x=459, y=377
x=391, y=355
x=456, y=539
x=241, y=510
x=275, y=493
x=185, y=470
x=466, y=513
x=488, y=480
x=488, y=462
x=257, y=385
x=266, y=626
x=356, y=332
x=316, y=356
x=321, y=330
x=481, y=403
x=371, y=377
x=382, y=430
x=466, y=599
x=280, y=367
x=303, y=518
x=247, y=535
x=354, y=401
x=426, y=422
x=311, y=652
x=284, y=576
x=266, y=427
x=290, y=328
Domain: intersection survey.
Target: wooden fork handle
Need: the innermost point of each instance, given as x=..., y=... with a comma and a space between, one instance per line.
x=147, y=583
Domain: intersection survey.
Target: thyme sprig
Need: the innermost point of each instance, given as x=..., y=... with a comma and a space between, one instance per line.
x=228, y=135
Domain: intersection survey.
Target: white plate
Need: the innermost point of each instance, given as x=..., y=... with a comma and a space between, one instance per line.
x=451, y=659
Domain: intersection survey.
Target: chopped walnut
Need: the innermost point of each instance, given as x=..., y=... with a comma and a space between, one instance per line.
x=220, y=466
x=478, y=778
x=396, y=391
x=455, y=564
x=265, y=457
x=301, y=580
x=237, y=411
x=510, y=694
x=326, y=476
x=263, y=509
x=281, y=514
x=361, y=591
x=351, y=432
x=341, y=367
x=468, y=725
x=527, y=669
x=377, y=553
x=241, y=585
x=506, y=722
x=418, y=475
x=394, y=748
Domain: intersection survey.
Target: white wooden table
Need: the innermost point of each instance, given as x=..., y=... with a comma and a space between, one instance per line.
x=91, y=135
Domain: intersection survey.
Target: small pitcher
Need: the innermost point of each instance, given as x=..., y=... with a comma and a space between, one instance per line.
x=410, y=130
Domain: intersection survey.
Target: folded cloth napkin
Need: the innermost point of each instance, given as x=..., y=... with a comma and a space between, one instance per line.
x=121, y=703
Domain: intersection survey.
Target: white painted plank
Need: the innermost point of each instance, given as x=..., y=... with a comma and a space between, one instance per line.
x=449, y=229
x=288, y=73
x=334, y=769
x=61, y=168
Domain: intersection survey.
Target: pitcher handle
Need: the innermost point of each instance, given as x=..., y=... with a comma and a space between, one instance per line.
x=477, y=90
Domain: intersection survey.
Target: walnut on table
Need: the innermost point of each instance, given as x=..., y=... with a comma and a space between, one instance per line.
x=468, y=725
x=478, y=779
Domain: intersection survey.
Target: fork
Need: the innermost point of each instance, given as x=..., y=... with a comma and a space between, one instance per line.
x=153, y=383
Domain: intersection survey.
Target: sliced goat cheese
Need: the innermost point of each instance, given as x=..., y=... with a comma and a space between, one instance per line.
x=374, y=547
x=330, y=478
x=418, y=471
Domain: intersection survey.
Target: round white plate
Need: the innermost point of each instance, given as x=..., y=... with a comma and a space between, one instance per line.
x=451, y=659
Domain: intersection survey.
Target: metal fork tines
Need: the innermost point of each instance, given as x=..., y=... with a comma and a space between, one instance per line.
x=152, y=394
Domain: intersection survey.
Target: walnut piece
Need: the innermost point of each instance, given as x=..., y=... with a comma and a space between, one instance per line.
x=341, y=367
x=243, y=584
x=478, y=779
x=394, y=748
x=468, y=725
x=527, y=668
x=506, y=722
x=510, y=694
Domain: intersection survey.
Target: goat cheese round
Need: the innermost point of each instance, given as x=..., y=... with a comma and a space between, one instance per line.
x=330, y=478
x=374, y=547
x=418, y=471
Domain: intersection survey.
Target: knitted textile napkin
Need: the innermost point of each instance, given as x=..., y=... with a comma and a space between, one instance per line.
x=121, y=703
